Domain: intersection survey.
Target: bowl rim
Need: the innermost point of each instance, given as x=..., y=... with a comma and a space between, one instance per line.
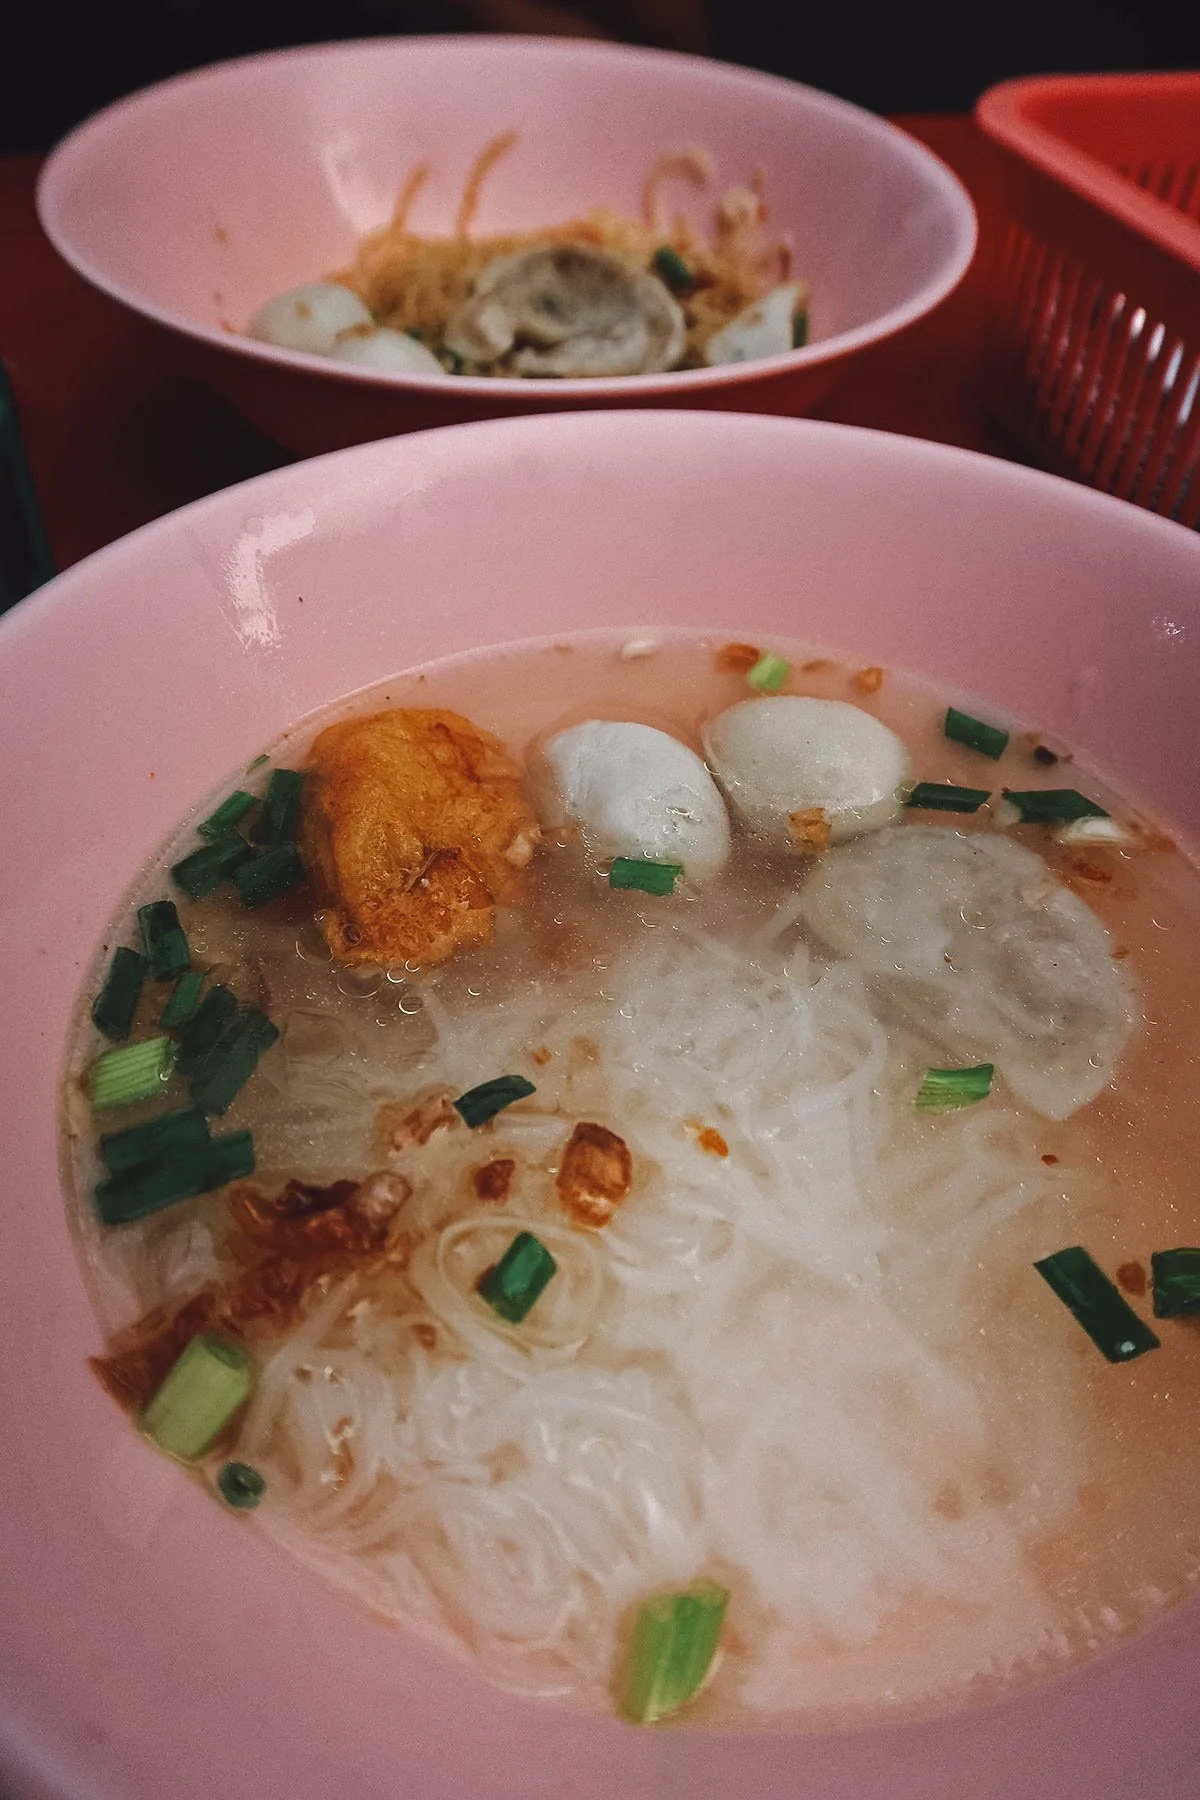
x=79, y=144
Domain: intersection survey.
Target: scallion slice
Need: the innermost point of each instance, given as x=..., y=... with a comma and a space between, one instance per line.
x=281, y=808
x=154, y=1139
x=219, y=824
x=646, y=877
x=479, y=1104
x=1053, y=806
x=206, y=1387
x=203, y=870
x=1175, y=1279
x=1097, y=1304
x=163, y=937
x=799, y=331
x=511, y=1286
x=268, y=874
x=206, y=1027
x=674, y=1641
x=242, y=1486
x=769, y=673
x=961, y=728
x=185, y=998
x=178, y=1173
x=672, y=271
x=219, y=1075
x=115, y=1006
x=944, y=796
x=135, y=1072
x=946, y=1088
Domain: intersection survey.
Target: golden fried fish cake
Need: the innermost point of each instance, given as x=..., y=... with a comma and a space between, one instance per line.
x=415, y=824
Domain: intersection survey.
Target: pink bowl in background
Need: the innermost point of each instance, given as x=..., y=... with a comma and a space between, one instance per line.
x=156, y=1648
x=197, y=200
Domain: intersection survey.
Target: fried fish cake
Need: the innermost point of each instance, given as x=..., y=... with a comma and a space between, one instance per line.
x=415, y=825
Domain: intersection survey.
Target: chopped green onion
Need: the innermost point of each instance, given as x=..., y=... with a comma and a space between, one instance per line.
x=136, y=1072
x=281, y=808
x=207, y=1386
x=671, y=269
x=674, y=1642
x=511, y=1286
x=164, y=940
x=203, y=871
x=241, y=1486
x=178, y=1173
x=268, y=874
x=479, y=1104
x=1053, y=806
x=219, y=1076
x=185, y=997
x=115, y=1005
x=151, y=1141
x=647, y=877
x=1176, y=1283
x=943, y=796
x=1097, y=1304
x=961, y=728
x=799, y=331
x=220, y=823
x=206, y=1027
x=769, y=673
x=945, y=1088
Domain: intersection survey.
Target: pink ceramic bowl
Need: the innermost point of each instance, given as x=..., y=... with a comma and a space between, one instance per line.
x=156, y=1648
x=196, y=201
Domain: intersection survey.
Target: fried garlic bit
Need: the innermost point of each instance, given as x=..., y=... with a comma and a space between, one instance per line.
x=415, y=827
x=809, y=830
x=595, y=1175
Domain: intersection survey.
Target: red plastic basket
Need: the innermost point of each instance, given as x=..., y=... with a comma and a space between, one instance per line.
x=1094, y=363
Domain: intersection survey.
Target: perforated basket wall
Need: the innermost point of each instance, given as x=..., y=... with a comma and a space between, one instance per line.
x=1093, y=363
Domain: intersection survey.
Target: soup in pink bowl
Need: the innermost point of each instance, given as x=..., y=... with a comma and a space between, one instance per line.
x=683, y=1279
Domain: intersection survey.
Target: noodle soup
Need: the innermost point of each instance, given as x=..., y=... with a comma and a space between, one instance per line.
x=644, y=1281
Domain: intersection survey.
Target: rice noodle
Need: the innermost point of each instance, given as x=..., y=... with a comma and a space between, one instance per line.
x=740, y=1373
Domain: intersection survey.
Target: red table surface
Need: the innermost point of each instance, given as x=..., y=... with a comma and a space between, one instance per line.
x=117, y=436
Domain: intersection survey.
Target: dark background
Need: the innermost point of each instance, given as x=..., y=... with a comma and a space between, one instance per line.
x=61, y=63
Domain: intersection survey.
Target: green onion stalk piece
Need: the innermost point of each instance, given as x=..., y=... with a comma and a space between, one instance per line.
x=135, y=1072
x=672, y=271
x=242, y=1486
x=512, y=1285
x=163, y=938
x=268, y=874
x=227, y=816
x=152, y=1140
x=115, y=1006
x=674, y=1641
x=177, y=1172
x=479, y=1104
x=646, y=877
x=1175, y=1280
x=185, y=998
x=1097, y=1304
x=943, y=796
x=281, y=808
x=203, y=871
x=961, y=728
x=943, y=1089
x=216, y=1078
x=799, y=331
x=204, y=1390
x=769, y=673
x=206, y=1027
x=1053, y=806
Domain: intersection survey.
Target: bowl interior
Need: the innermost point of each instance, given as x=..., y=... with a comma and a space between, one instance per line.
x=154, y=1644
x=199, y=199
